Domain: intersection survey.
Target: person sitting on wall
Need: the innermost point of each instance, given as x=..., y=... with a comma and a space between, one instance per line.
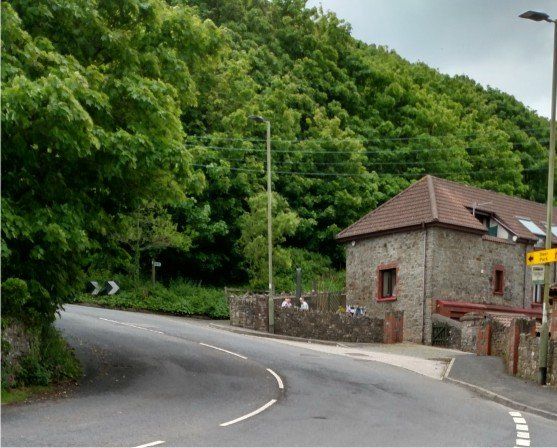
x=303, y=304
x=286, y=303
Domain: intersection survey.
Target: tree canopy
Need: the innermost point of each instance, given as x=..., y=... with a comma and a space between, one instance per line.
x=110, y=107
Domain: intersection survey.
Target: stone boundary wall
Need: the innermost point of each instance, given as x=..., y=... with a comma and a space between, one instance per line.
x=328, y=326
x=250, y=311
x=516, y=343
x=528, y=354
x=16, y=345
x=500, y=339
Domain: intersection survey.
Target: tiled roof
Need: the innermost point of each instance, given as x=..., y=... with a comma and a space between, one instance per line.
x=434, y=200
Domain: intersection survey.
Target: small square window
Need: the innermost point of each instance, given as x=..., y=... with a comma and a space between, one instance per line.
x=498, y=280
x=386, y=282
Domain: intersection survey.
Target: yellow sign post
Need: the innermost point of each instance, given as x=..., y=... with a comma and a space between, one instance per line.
x=541, y=257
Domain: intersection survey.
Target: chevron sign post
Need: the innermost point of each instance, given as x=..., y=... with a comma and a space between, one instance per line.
x=110, y=288
x=93, y=288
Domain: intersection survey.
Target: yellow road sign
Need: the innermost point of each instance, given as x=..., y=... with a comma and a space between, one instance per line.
x=541, y=257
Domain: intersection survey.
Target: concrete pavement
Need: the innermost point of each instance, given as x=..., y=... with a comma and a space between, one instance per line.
x=158, y=378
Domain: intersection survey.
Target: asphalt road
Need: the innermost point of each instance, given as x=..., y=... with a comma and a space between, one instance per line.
x=150, y=379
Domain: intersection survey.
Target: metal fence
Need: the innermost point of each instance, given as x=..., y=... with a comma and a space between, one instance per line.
x=328, y=301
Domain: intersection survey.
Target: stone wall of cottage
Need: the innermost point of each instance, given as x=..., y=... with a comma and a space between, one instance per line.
x=363, y=258
x=463, y=268
x=458, y=266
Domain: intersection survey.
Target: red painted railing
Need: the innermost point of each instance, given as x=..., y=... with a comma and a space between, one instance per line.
x=457, y=309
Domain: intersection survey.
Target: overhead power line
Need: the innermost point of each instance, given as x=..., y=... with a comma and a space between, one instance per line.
x=346, y=139
x=370, y=163
x=376, y=151
x=325, y=174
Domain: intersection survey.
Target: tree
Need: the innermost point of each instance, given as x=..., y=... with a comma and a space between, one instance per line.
x=92, y=99
x=253, y=240
x=150, y=230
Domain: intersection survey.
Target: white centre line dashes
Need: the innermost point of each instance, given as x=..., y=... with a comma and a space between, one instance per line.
x=522, y=432
x=130, y=325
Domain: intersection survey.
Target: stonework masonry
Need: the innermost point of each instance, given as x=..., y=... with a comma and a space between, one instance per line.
x=435, y=263
x=406, y=250
x=250, y=311
x=328, y=326
x=528, y=353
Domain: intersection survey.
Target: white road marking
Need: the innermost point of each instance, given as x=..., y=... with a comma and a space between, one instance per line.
x=522, y=433
x=231, y=422
x=279, y=380
x=130, y=325
x=158, y=442
x=251, y=414
x=223, y=350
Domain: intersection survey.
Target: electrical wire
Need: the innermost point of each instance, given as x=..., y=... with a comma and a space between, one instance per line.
x=377, y=151
x=372, y=139
x=324, y=174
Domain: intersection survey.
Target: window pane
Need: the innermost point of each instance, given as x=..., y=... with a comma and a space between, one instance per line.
x=532, y=227
x=388, y=280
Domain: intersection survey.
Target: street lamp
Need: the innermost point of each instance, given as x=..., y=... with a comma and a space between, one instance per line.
x=271, y=304
x=544, y=332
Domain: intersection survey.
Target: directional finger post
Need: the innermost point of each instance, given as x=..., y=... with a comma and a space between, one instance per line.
x=541, y=257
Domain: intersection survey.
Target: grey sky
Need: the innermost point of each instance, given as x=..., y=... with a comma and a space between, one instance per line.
x=483, y=39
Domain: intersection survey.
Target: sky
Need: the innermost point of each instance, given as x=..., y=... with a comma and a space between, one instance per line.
x=483, y=39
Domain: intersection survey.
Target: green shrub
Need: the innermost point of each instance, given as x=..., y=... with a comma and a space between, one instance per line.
x=49, y=361
x=180, y=297
x=15, y=295
x=32, y=372
x=316, y=268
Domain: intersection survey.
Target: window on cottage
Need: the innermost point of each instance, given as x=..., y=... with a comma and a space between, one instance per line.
x=498, y=281
x=388, y=283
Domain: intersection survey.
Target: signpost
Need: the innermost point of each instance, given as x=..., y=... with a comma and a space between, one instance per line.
x=541, y=257
x=544, y=257
x=93, y=288
x=537, y=275
x=154, y=264
x=110, y=288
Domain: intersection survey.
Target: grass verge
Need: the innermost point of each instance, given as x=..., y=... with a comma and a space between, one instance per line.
x=20, y=394
x=180, y=298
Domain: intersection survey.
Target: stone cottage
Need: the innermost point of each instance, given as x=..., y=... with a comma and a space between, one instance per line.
x=443, y=242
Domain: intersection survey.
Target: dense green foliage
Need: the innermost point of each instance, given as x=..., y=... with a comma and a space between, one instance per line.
x=179, y=297
x=49, y=360
x=126, y=136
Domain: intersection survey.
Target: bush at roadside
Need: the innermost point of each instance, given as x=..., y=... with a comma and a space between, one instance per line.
x=179, y=297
